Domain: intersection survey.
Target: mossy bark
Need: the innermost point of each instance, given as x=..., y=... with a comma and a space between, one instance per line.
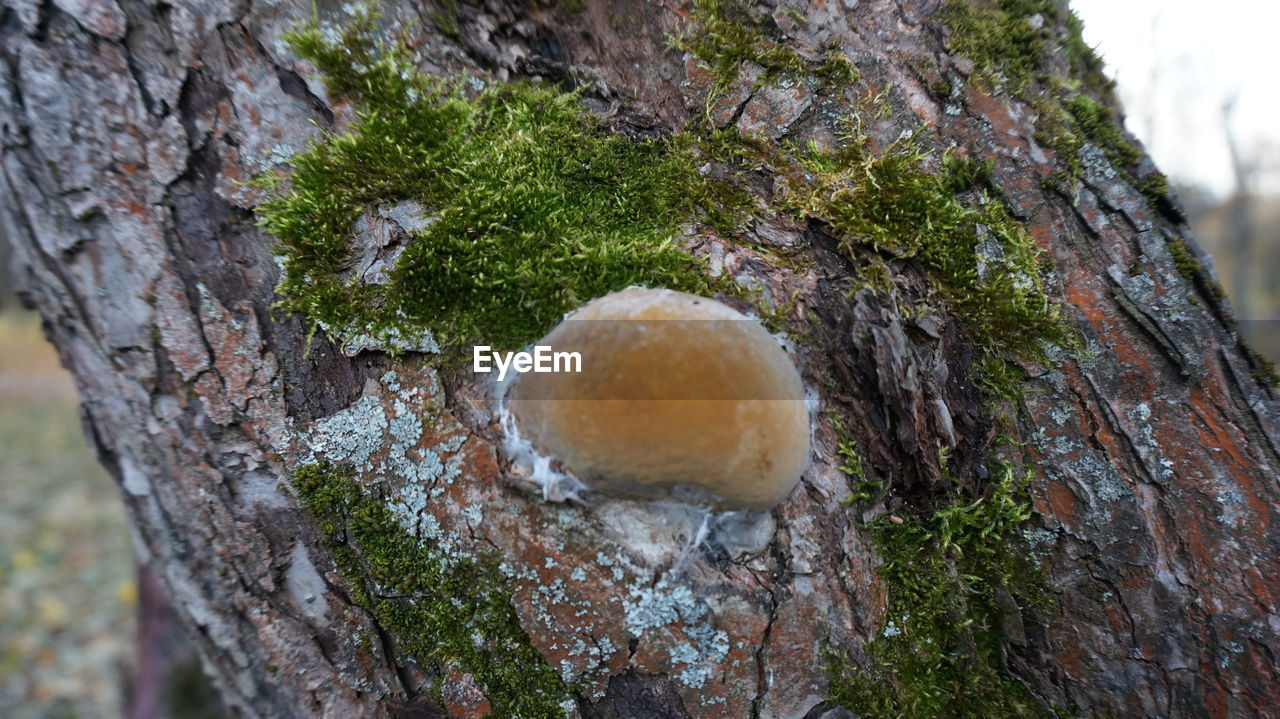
x=985, y=277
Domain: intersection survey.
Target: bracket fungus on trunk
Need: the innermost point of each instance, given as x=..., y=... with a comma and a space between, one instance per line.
x=678, y=397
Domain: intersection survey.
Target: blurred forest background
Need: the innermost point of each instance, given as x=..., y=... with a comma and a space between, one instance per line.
x=1196, y=88
x=67, y=589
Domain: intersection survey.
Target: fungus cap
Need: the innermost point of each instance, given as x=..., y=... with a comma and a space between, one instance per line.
x=678, y=396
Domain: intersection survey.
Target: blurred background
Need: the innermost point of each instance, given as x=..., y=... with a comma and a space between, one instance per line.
x=67, y=590
x=1195, y=83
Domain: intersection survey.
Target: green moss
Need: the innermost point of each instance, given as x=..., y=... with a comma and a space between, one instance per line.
x=940, y=652
x=957, y=545
x=863, y=487
x=1067, y=127
x=1154, y=186
x=836, y=68
x=999, y=36
x=873, y=275
x=724, y=36
x=852, y=461
x=954, y=550
x=1098, y=124
x=982, y=263
x=536, y=207
x=446, y=19
x=781, y=318
x=442, y=611
x=1056, y=129
x=1001, y=39
x=966, y=172
x=795, y=16
x=1189, y=267
x=1264, y=370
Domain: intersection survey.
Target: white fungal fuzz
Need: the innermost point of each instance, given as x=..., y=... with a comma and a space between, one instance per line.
x=531, y=465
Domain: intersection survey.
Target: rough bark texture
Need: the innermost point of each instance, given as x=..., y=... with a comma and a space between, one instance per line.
x=126, y=125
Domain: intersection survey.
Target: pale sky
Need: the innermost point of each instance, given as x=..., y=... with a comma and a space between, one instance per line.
x=1177, y=62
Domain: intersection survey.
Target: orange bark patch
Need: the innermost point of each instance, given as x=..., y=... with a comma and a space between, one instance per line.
x=463, y=697
x=1058, y=502
x=994, y=111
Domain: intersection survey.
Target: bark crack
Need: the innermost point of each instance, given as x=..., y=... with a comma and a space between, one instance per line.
x=1151, y=326
x=1258, y=408
x=762, y=671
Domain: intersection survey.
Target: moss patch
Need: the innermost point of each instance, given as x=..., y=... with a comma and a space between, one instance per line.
x=851, y=464
x=983, y=264
x=1098, y=124
x=533, y=207
x=1189, y=267
x=443, y=611
x=1056, y=130
x=940, y=651
x=1001, y=37
x=1007, y=40
x=1263, y=369
x=837, y=69
x=1066, y=128
x=724, y=36
x=904, y=202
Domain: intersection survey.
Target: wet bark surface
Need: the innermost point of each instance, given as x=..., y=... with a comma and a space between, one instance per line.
x=126, y=128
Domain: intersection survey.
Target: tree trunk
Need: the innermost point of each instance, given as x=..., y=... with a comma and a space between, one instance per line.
x=128, y=126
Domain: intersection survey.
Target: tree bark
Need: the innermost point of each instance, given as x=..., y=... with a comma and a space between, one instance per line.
x=126, y=127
